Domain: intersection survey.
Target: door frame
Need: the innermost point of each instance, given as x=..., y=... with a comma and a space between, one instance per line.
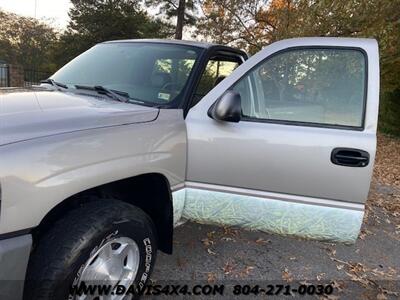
x=202, y=65
x=368, y=46
x=209, y=202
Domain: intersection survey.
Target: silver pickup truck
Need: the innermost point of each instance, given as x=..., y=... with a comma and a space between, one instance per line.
x=133, y=137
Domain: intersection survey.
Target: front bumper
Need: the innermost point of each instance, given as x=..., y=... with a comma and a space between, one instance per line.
x=14, y=256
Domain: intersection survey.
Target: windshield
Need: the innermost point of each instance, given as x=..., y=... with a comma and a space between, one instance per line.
x=153, y=73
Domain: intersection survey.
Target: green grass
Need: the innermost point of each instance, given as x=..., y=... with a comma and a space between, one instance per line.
x=389, y=113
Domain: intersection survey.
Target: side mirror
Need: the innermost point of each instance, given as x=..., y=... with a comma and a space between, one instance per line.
x=227, y=108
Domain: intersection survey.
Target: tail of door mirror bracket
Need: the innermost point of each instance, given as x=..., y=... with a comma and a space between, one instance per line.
x=227, y=108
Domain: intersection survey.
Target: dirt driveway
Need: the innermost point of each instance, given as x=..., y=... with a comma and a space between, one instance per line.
x=369, y=269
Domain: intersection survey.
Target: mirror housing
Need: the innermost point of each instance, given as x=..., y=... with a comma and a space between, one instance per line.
x=227, y=108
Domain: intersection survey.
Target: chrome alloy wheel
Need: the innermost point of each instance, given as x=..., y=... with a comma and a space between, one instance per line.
x=114, y=263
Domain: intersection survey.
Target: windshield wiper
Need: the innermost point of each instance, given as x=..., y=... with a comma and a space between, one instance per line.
x=116, y=95
x=54, y=83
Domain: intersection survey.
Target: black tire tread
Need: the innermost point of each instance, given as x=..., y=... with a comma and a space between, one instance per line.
x=75, y=225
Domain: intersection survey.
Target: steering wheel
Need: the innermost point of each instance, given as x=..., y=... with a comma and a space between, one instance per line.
x=169, y=86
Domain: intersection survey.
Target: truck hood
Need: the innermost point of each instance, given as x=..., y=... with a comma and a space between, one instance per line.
x=28, y=114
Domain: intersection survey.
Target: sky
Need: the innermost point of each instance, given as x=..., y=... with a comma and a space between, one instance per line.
x=54, y=12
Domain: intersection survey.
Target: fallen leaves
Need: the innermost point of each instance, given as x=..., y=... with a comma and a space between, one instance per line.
x=363, y=234
x=320, y=276
x=389, y=275
x=381, y=296
x=359, y=278
x=211, y=277
x=246, y=271
x=387, y=160
x=207, y=242
x=232, y=232
x=235, y=271
x=331, y=251
x=338, y=285
x=228, y=268
x=211, y=235
x=227, y=239
x=356, y=267
x=368, y=277
x=227, y=235
x=387, y=176
x=287, y=276
x=389, y=201
x=261, y=241
x=211, y=252
x=339, y=267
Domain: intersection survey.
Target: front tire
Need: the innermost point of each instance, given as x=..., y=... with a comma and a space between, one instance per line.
x=105, y=242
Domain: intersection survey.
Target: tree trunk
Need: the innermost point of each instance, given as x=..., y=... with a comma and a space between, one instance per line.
x=180, y=19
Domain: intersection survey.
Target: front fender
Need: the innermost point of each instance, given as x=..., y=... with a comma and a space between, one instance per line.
x=38, y=174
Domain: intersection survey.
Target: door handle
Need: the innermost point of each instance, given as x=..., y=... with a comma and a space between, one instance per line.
x=350, y=157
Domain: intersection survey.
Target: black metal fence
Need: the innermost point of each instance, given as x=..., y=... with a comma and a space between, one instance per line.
x=20, y=77
x=33, y=77
x=4, y=76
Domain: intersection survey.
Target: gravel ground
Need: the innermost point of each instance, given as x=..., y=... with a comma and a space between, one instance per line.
x=369, y=269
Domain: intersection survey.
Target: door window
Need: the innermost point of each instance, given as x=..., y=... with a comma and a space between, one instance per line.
x=215, y=72
x=320, y=86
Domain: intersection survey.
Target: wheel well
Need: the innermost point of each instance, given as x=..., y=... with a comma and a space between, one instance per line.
x=151, y=192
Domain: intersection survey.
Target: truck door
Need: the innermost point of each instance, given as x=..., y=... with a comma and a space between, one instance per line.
x=299, y=158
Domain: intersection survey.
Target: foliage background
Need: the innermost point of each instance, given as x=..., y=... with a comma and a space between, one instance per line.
x=247, y=24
